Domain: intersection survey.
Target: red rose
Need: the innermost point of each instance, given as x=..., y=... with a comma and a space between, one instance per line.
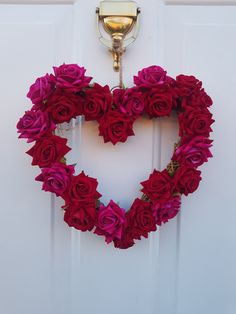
x=159, y=102
x=98, y=100
x=187, y=84
x=110, y=221
x=140, y=219
x=158, y=187
x=115, y=127
x=81, y=216
x=125, y=242
x=63, y=107
x=195, y=121
x=129, y=101
x=47, y=151
x=164, y=212
x=199, y=99
x=71, y=77
x=203, y=99
x=82, y=188
x=187, y=179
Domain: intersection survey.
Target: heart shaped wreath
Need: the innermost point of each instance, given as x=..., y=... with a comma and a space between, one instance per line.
x=67, y=93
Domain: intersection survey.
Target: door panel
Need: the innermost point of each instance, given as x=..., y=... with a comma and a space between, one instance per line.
x=31, y=41
x=203, y=36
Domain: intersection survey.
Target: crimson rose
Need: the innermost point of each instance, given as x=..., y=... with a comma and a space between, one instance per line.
x=126, y=240
x=82, y=188
x=187, y=85
x=115, y=127
x=49, y=150
x=186, y=180
x=63, y=107
x=159, y=102
x=158, y=187
x=140, y=219
x=98, y=100
x=81, y=215
x=198, y=100
x=195, y=121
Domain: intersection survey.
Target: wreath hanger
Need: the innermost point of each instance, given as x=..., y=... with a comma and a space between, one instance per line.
x=120, y=20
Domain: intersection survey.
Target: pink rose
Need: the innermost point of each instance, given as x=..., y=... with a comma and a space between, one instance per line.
x=71, y=77
x=110, y=221
x=150, y=77
x=129, y=101
x=56, y=178
x=166, y=211
x=41, y=89
x=193, y=152
x=34, y=124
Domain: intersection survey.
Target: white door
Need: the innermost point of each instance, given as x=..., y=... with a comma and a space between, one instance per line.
x=188, y=265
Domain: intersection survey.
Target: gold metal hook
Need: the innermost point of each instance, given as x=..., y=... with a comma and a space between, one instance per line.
x=118, y=18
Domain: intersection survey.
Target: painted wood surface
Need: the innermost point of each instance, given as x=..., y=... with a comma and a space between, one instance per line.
x=188, y=266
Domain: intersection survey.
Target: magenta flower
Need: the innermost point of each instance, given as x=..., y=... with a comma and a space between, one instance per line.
x=56, y=178
x=40, y=91
x=151, y=77
x=34, y=124
x=71, y=77
x=193, y=152
x=166, y=211
x=110, y=221
x=129, y=101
